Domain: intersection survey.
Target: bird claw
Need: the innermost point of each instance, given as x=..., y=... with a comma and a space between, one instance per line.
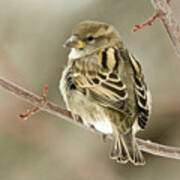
x=78, y=119
x=104, y=137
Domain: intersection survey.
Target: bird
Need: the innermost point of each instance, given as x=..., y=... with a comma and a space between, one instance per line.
x=103, y=84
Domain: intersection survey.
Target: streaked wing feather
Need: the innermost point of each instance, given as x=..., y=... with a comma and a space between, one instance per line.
x=103, y=85
x=140, y=90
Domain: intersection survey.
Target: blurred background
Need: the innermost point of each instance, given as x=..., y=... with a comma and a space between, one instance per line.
x=45, y=147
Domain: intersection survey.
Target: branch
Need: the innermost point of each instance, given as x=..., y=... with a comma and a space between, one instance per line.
x=146, y=146
x=147, y=23
x=169, y=22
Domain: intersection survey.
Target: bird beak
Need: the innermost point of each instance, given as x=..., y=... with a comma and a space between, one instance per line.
x=74, y=42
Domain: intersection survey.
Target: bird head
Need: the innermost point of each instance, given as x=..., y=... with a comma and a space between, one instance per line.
x=89, y=36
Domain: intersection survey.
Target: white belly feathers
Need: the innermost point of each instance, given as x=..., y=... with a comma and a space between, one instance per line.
x=91, y=113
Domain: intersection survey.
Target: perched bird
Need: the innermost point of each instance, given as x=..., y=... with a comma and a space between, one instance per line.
x=104, y=85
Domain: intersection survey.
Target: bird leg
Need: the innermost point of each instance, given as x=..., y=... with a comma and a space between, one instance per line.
x=104, y=137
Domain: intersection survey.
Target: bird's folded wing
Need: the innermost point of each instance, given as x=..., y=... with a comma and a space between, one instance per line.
x=140, y=89
x=102, y=85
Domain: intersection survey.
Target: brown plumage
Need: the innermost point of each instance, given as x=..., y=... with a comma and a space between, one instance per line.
x=103, y=84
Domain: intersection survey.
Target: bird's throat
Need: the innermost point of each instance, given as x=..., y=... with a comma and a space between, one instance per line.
x=76, y=53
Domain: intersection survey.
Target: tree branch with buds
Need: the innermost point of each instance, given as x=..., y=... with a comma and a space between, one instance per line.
x=163, y=11
x=44, y=105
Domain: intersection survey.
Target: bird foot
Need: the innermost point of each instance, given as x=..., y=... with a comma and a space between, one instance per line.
x=104, y=137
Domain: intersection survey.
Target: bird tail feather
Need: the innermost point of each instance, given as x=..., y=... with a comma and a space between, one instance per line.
x=126, y=149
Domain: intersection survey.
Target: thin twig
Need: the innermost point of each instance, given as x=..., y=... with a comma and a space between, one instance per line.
x=36, y=109
x=169, y=22
x=147, y=23
x=146, y=146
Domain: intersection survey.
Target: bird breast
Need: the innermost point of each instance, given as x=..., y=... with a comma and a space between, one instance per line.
x=90, y=112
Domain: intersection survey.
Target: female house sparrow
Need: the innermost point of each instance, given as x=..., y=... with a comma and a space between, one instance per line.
x=104, y=85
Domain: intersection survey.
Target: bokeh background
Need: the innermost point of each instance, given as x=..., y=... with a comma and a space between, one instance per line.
x=45, y=147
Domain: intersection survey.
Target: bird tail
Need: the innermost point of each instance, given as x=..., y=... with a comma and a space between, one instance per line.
x=126, y=149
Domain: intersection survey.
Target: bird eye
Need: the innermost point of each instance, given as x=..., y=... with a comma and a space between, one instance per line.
x=90, y=38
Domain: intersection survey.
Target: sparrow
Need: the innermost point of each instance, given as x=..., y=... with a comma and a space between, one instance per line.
x=103, y=83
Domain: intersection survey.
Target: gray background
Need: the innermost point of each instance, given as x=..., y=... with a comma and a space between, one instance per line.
x=44, y=147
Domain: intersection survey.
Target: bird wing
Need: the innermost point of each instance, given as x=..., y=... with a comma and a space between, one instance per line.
x=97, y=77
x=141, y=92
